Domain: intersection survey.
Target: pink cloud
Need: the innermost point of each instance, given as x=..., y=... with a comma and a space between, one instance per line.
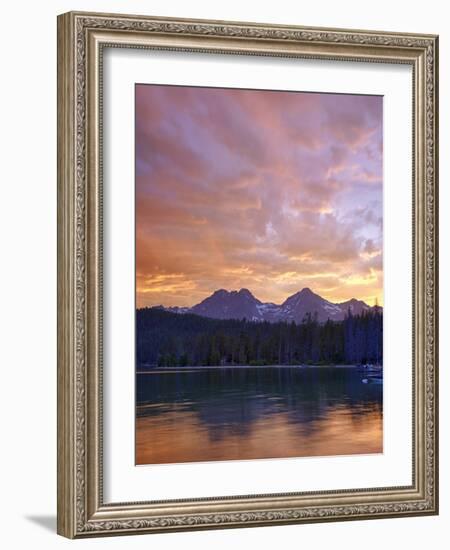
x=238, y=187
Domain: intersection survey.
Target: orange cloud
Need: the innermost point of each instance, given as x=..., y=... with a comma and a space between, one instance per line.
x=271, y=191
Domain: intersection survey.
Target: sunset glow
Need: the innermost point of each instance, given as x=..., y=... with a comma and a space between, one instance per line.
x=270, y=191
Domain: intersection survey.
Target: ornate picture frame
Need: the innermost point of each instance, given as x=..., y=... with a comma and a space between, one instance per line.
x=82, y=39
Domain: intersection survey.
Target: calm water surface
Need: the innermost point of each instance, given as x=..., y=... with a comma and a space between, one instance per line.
x=220, y=413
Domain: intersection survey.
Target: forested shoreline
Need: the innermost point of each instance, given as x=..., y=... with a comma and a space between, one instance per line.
x=168, y=339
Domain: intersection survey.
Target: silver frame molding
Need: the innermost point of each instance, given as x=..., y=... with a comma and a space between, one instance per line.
x=81, y=39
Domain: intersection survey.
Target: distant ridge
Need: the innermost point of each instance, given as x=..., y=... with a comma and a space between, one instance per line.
x=234, y=304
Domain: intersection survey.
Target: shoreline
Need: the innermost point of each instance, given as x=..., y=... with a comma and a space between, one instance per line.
x=150, y=370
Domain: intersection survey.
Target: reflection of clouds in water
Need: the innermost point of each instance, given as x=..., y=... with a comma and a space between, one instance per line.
x=183, y=438
x=256, y=413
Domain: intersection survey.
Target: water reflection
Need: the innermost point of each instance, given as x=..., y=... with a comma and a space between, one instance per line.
x=198, y=414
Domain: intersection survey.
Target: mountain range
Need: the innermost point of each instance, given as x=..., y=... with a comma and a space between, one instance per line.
x=224, y=304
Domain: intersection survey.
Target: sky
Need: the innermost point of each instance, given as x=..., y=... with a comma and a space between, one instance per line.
x=266, y=190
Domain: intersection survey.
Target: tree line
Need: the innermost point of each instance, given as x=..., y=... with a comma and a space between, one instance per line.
x=168, y=339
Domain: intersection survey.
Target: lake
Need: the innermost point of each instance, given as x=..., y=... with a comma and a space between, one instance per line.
x=194, y=414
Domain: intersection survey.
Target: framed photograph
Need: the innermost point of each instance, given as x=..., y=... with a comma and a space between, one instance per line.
x=247, y=274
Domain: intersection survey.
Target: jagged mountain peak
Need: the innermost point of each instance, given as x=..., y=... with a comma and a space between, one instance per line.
x=305, y=293
x=220, y=292
x=224, y=292
x=353, y=301
x=356, y=307
x=246, y=294
x=245, y=291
